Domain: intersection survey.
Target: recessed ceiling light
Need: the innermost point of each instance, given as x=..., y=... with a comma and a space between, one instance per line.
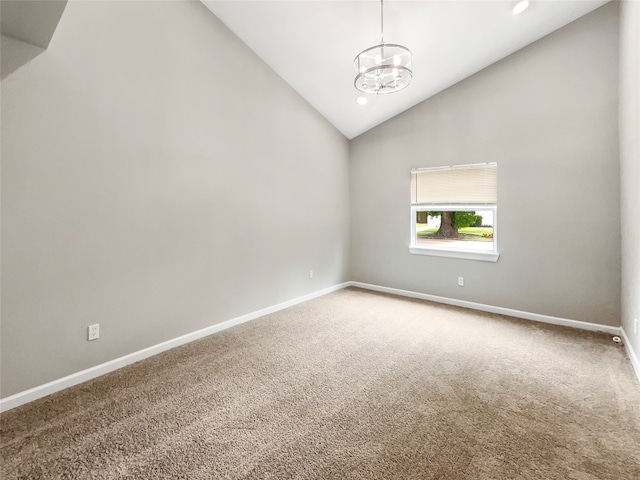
x=362, y=100
x=520, y=7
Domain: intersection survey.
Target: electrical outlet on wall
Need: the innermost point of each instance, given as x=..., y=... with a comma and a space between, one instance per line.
x=310, y=273
x=461, y=281
x=93, y=332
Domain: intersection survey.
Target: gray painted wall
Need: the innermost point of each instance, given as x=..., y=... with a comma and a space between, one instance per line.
x=157, y=178
x=14, y=54
x=630, y=167
x=548, y=115
x=144, y=191
x=27, y=28
x=31, y=21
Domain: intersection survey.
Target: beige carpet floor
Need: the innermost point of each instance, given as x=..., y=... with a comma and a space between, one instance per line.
x=352, y=385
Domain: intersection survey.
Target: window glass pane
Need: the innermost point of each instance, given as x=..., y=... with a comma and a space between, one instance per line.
x=459, y=230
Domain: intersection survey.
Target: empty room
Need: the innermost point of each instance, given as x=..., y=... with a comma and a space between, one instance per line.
x=320, y=239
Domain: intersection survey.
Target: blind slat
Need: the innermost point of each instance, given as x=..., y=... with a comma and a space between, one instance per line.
x=470, y=184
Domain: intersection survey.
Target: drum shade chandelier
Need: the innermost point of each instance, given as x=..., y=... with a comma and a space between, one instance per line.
x=383, y=68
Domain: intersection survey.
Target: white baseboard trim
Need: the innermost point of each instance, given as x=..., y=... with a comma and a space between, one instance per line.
x=594, y=327
x=635, y=362
x=54, y=386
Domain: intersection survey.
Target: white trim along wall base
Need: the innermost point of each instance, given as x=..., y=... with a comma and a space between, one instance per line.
x=635, y=362
x=536, y=317
x=54, y=386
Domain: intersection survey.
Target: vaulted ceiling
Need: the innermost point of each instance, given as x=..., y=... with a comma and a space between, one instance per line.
x=312, y=44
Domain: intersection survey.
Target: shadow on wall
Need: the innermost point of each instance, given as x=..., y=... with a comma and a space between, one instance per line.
x=14, y=54
x=27, y=29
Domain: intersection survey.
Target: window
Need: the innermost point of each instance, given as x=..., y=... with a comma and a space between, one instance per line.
x=454, y=211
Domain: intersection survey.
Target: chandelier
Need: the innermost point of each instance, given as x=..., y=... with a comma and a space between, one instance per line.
x=383, y=68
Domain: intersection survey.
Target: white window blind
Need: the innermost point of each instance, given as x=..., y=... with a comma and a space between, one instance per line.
x=464, y=184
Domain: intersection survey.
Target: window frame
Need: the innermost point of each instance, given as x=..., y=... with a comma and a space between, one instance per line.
x=457, y=251
x=454, y=251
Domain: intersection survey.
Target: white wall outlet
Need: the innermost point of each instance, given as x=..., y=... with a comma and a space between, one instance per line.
x=461, y=281
x=310, y=273
x=93, y=332
x=635, y=326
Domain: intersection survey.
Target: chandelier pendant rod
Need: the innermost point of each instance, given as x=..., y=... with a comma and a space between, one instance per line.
x=381, y=22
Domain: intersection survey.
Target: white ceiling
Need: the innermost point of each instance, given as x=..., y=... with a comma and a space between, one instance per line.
x=312, y=44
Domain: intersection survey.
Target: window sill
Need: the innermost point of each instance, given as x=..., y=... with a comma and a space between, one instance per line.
x=441, y=252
